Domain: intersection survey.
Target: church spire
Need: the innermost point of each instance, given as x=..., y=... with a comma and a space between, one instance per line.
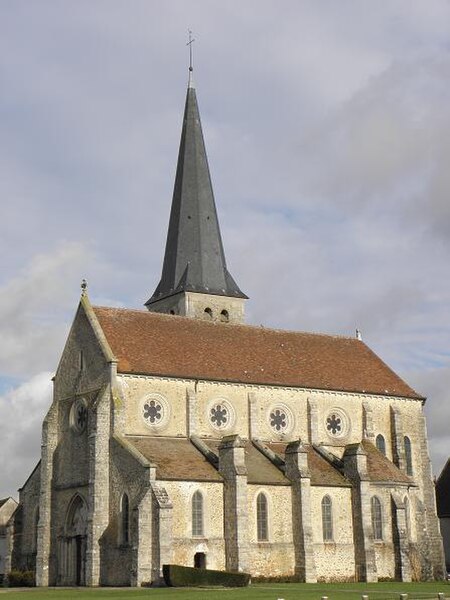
x=194, y=259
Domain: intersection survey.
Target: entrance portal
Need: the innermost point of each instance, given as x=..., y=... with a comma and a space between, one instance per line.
x=72, y=546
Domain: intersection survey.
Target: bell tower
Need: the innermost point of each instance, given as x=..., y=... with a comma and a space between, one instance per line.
x=195, y=281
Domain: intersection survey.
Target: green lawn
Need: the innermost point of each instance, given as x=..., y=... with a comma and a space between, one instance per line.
x=289, y=591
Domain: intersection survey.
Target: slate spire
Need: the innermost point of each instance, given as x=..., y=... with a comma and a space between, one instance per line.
x=194, y=259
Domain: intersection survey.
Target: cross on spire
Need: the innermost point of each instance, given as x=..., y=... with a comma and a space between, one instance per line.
x=190, y=42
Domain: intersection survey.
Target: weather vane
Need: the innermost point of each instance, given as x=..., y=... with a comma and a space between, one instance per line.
x=191, y=40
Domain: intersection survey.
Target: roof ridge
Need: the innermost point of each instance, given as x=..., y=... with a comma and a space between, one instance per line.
x=228, y=325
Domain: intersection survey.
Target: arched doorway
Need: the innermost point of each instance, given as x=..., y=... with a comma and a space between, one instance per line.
x=200, y=560
x=72, y=554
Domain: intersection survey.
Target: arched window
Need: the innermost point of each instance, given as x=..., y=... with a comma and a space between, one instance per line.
x=224, y=316
x=408, y=455
x=327, y=519
x=262, y=523
x=377, y=518
x=125, y=519
x=208, y=313
x=381, y=444
x=197, y=515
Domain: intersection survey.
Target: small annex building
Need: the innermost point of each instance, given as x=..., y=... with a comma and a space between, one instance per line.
x=7, y=509
x=179, y=434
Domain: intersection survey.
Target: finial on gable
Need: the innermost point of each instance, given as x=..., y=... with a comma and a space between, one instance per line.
x=84, y=286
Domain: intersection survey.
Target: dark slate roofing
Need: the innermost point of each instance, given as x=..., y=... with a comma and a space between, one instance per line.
x=260, y=470
x=175, y=458
x=443, y=491
x=194, y=259
x=381, y=469
x=167, y=345
x=322, y=472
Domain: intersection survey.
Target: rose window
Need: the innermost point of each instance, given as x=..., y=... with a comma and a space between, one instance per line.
x=219, y=415
x=153, y=412
x=336, y=423
x=278, y=420
x=79, y=415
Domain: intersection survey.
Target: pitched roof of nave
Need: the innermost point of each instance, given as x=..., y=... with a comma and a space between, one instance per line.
x=167, y=345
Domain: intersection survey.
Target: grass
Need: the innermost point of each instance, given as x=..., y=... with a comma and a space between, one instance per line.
x=287, y=591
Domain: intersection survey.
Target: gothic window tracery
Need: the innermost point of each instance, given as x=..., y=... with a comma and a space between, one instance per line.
x=381, y=444
x=155, y=411
x=280, y=419
x=220, y=414
x=408, y=456
x=197, y=515
x=377, y=518
x=327, y=519
x=79, y=415
x=262, y=518
x=336, y=423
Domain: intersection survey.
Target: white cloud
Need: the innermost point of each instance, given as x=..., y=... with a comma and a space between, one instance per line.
x=35, y=308
x=22, y=410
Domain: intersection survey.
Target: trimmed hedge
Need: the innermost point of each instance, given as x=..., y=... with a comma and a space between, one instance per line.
x=21, y=579
x=177, y=576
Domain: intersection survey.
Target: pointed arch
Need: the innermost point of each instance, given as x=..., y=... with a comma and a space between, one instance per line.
x=198, y=529
x=408, y=455
x=380, y=443
x=327, y=519
x=377, y=518
x=76, y=517
x=125, y=519
x=262, y=518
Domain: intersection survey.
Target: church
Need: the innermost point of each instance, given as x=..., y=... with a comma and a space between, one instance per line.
x=178, y=434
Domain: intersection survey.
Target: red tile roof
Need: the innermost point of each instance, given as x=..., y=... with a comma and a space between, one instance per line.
x=322, y=472
x=260, y=470
x=166, y=345
x=380, y=469
x=175, y=458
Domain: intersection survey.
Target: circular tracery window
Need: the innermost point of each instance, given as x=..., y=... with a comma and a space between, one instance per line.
x=79, y=415
x=155, y=410
x=221, y=414
x=280, y=419
x=336, y=423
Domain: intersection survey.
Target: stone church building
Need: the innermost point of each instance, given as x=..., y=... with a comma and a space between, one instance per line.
x=179, y=434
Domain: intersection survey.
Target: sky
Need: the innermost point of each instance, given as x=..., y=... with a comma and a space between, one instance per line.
x=327, y=126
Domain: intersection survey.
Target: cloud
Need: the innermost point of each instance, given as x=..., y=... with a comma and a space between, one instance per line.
x=35, y=309
x=23, y=409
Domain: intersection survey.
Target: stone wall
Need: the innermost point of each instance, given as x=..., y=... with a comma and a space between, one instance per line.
x=335, y=559
x=25, y=524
